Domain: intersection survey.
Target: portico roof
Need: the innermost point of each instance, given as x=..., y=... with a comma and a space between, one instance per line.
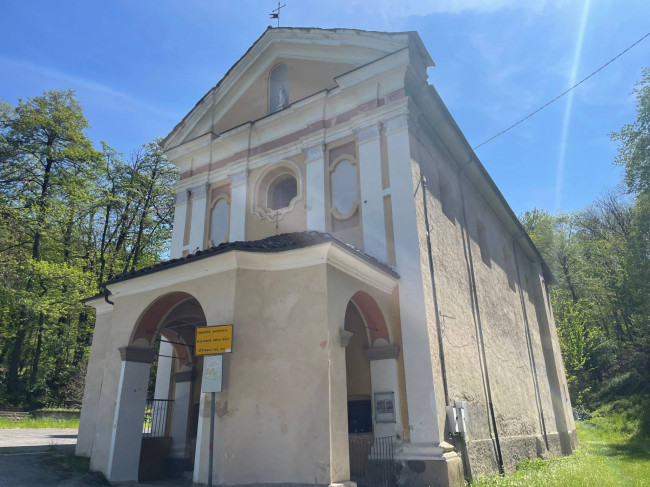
x=277, y=243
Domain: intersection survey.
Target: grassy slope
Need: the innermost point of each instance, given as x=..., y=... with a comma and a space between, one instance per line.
x=611, y=453
x=39, y=423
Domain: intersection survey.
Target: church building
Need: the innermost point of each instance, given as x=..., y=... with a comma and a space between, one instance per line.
x=391, y=318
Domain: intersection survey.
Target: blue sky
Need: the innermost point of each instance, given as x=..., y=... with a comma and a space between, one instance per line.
x=139, y=66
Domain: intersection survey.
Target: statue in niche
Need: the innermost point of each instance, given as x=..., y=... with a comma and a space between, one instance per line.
x=282, y=99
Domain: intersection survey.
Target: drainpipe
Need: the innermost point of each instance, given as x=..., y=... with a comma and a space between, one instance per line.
x=474, y=296
x=529, y=343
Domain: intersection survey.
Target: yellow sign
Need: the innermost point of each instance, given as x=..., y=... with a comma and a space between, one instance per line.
x=211, y=340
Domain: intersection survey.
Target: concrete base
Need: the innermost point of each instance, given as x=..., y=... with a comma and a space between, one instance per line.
x=345, y=483
x=446, y=471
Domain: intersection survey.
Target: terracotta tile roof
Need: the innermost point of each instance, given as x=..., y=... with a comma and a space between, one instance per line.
x=276, y=243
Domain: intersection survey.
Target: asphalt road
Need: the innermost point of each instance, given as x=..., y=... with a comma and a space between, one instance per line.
x=31, y=440
x=42, y=469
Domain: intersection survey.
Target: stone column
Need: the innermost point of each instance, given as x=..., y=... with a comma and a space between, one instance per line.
x=94, y=379
x=178, y=232
x=315, y=190
x=126, y=438
x=372, y=198
x=238, y=192
x=199, y=208
x=181, y=412
x=420, y=390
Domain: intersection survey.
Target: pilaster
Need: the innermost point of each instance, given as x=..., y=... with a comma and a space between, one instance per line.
x=238, y=190
x=180, y=215
x=126, y=438
x=372, y=199
x=420, y=390
x=199, y=208
x=315, y=163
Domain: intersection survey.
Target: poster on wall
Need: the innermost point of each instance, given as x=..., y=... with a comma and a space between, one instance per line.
x=385, y=407
x=212, y=373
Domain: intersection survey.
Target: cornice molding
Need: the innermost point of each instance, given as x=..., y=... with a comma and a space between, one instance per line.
x=136, y=354
x=325, y=253
x=180, y=198
x=185, y=376
x=382, y=353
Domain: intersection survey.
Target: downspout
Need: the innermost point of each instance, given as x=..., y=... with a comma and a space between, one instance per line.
x=474, y=295
x=529, y=344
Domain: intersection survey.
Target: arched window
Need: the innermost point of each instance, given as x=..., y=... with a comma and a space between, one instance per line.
x=278, y=88
x=343, y=181
x=220, y=222
x=281, y=191
x=277, y=190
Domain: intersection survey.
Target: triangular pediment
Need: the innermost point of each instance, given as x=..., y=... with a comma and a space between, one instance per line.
x=315, y=57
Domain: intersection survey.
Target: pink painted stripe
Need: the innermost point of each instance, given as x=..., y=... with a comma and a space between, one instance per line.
x=294, y=136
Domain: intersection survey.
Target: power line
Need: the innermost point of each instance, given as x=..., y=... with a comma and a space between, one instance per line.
x=562, y=94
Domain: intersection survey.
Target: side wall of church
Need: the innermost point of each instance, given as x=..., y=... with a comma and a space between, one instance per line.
x=517, y=365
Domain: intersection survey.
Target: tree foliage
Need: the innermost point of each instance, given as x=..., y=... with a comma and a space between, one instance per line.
x=600, y=257
x=71, y=217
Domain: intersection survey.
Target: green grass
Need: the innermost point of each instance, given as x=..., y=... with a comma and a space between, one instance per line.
x=612, y=452
x=39, y=423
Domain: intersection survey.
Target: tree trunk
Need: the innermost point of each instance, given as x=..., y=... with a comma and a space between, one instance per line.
x=37, y=352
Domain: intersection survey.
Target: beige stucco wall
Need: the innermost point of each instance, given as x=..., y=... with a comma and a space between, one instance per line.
x=306, y=77
x=510, y=364
x=277, y=419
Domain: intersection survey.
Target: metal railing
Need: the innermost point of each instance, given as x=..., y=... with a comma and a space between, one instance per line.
x=157, y=418
x=371, y=461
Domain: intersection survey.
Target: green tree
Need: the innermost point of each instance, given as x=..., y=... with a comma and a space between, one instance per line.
x=46, y=152
x=71, y=217
x=634, y=141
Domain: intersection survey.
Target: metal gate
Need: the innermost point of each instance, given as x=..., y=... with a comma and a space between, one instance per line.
x=371, y=461
x=157, y=418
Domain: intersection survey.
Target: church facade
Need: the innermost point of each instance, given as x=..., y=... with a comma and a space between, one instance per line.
x=389, y=311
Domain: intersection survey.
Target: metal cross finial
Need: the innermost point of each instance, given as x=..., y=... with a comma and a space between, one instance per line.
x=275, y=13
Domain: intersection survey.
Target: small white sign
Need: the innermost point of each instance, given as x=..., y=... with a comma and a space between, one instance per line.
x=212, y=373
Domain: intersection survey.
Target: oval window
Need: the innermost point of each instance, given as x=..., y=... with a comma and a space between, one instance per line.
x=344, y=187
x=220, y=222
x=281, y=192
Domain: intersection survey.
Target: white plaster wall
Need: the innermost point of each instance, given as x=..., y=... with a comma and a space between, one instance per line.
x=126, y=434
x=372, y=198
x=178, y=231
x=164, y=371
x=417, y=342
x=315, y=191
x=384, y=379
x=199, y=216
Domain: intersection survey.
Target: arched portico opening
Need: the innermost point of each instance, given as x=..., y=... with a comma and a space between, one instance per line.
x=154, y=435
x=372, y=389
